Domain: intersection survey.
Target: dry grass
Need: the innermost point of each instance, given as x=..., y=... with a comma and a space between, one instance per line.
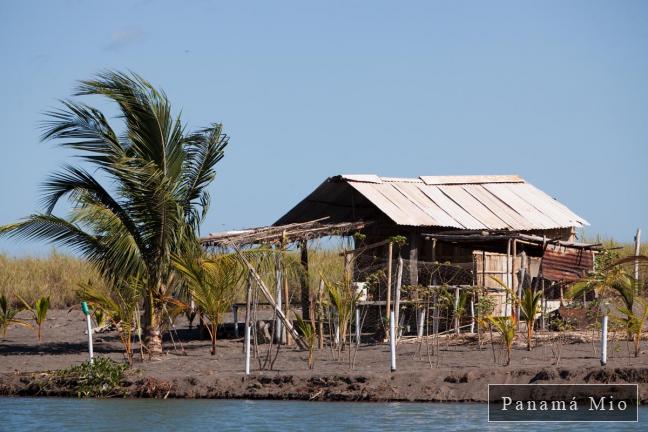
x=56, y=276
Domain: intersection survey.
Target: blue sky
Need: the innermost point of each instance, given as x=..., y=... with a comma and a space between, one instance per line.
x=554, y=91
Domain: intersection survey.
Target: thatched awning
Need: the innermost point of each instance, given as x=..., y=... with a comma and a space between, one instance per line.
x=285, y=234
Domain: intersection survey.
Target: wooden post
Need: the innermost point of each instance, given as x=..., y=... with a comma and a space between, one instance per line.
x=456, y=306
x=544, y=304
x=421, y=321
x=320, y=318
x=268, y=295
x=484, y=269
x=390, y=249
x=358, y=326
x=248, y=312
x=472, y=313
x=278, y=297
x=305, y=285
x=235, y=319
x=521, y=284
x=414, y=244
x=514, y=283
x=399, y=281
x=286, y=336
x=392, y=342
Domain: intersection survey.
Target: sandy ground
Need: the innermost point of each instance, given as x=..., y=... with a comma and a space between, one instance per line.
x=460, y=372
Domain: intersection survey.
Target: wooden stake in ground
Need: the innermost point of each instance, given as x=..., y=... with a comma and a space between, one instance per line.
x=286, y=335
x=399, y=281
x=320, y=317
x=248, y=312
x=390, y=249
x=278, y=330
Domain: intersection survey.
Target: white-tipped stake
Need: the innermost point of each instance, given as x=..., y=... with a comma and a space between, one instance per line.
x=247, y=349
x=357, y=325
x=392, y=340
x=604, y=331
x=235, y=319
x=86, y=311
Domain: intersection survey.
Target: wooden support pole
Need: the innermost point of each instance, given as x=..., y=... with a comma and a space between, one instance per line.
x=358, y=326
x=421, y=321
x=514, y=283
x=390, y=250
x=472, y=313
x=414, y=245
x=399, y=281
x=544, y=304
x=278, y=298
x=266, y=293
x=320, y=317
x=523, y=259
x=286, y=294
x=456, y=306
x=305, y=285
x=392, y=342
x=235, y=319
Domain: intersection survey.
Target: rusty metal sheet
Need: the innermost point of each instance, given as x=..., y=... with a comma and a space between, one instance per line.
x=563, y=264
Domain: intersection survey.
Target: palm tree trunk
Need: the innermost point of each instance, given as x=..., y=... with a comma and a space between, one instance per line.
x=152, y=333
x=529, y=331
x=214, y=328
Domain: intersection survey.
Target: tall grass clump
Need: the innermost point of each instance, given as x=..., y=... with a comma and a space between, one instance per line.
x=56, y=276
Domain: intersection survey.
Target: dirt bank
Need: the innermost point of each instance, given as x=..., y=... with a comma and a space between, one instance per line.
x=461, y=372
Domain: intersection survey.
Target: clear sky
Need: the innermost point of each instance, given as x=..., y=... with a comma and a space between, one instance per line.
x=555, y=91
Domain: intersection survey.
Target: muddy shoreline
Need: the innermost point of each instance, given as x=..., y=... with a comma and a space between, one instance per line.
x=437, y=386
x=460, y=373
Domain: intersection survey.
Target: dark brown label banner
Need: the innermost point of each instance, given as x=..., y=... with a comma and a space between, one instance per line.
x=559, y=403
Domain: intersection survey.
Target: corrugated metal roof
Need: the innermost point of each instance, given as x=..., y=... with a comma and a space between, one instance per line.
x=465, y=202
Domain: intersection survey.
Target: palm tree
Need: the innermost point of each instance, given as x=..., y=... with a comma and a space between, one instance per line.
x=505, y=326
x=529, y=307
x=119, y=306
x=212, y=284
x=8, y=315
x=146, y=196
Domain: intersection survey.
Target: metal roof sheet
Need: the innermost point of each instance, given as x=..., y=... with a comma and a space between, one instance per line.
x=465, y=202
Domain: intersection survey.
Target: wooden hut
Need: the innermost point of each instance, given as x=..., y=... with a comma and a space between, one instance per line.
x=493, y=226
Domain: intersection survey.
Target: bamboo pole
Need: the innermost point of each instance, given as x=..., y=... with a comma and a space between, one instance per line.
x=320, y=318
x=392, y=342
x=286, y=336
x=399, y=281
x=456, y=307
x=278, y=298
x=472, y=313
x=390, y=249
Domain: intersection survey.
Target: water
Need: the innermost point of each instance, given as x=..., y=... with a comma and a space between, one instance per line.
x=52, y=414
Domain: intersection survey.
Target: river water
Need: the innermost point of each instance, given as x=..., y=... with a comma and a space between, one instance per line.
x=54, y=414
